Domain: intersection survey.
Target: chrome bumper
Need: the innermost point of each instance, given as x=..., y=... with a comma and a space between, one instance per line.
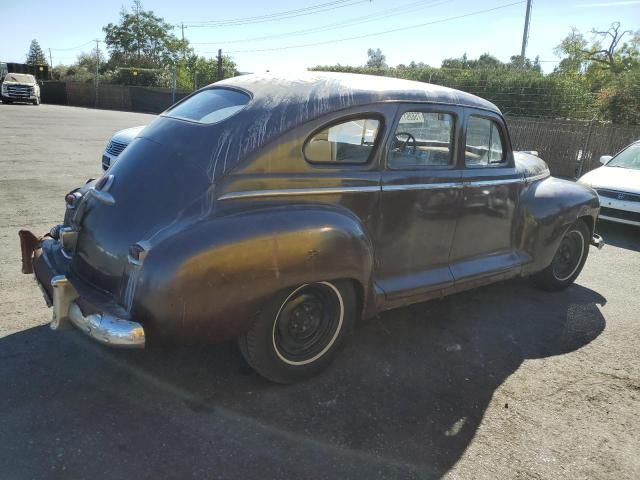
x=106, y=329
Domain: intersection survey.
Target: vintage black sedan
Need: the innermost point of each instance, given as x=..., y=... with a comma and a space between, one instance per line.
x=279, y=210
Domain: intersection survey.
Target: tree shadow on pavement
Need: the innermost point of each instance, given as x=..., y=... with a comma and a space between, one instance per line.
x=403, y=399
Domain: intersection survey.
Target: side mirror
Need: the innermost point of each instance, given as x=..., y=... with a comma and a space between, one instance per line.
x=40, y=82
x=604, y=159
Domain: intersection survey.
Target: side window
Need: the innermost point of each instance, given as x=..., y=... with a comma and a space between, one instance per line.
x=484, y=143
x=351, y=141
x=422, y=139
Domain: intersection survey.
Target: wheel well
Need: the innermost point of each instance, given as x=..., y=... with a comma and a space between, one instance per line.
x=359, y=291
x=588, y=219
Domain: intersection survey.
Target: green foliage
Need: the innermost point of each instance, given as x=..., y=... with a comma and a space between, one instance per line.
x=516, y=91
x=142, y=39
x=196, y=72
x=619, y=101
x=36, y=56
x=609, y=65
x=376, y=59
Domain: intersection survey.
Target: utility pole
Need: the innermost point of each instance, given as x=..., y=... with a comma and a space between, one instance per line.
x=219, y=65
x=525, y=34
x=97, y=62
x=184, y=50
x=50, y=59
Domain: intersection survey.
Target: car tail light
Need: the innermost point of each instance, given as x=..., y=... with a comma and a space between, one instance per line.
x=103, y=182
x=71, y=199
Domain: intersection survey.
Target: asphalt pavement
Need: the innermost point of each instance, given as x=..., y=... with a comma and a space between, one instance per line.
x=501, y=382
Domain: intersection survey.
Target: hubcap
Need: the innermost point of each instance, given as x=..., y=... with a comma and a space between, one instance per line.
x=569, y=255
x=308, y=323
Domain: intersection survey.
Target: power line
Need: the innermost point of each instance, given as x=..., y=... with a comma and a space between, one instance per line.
x=363, y=19
x=274, y=17
x=72, y=48
x=277, y=15
x=384, y=32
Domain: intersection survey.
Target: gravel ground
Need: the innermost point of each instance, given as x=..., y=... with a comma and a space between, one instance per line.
x=500, y=382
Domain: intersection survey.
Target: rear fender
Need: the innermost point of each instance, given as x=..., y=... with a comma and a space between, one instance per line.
x=210, y=281
x=547, y=209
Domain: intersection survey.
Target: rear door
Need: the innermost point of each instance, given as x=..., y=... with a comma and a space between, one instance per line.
x=420, y=200
x=483, y=242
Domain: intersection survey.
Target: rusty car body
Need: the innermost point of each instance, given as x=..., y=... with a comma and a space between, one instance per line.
x=279, y=209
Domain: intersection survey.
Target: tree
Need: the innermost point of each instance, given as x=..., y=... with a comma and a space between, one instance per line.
x=36, y=55
x=620, y=100
x=605, y=52
x=88, y=61
x=376, y=59
x=200, y=71
x=142, y=39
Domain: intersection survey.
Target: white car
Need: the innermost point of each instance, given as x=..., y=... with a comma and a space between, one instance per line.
x=618, y=185
x=117, y=143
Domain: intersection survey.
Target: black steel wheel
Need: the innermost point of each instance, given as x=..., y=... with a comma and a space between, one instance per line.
x=298, y=334
x=568, y=260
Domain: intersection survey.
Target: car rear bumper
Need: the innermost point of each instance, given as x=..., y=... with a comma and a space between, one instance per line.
x=69, y=306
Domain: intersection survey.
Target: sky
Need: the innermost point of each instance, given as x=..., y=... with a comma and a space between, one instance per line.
x=321, y=32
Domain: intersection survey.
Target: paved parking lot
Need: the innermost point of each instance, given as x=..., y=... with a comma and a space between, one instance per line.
x=500, y=382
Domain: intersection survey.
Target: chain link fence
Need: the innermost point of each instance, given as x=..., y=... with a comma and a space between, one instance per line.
x=570, y=147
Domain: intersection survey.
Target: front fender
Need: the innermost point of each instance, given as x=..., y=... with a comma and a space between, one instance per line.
x=548, y=208
x=210, y=281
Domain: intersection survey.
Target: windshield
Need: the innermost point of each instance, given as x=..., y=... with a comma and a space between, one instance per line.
x=210, y=106
x=628, y=158
x=20, y=77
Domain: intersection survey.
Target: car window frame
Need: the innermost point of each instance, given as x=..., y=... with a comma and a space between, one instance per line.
x=504, y=138
x=344, y=119
x=427, y=107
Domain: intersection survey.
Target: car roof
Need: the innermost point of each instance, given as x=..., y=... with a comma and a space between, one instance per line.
x=342, y=90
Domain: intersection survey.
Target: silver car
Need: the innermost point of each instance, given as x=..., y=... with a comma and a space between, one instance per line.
x=117, y=143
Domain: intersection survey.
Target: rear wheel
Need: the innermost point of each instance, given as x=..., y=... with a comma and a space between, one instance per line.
x=300, y=331
x=568, y=261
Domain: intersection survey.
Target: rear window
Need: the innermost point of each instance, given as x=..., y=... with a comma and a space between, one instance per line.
x=210, y=106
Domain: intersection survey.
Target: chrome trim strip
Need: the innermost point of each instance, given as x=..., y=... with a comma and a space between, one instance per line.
x=297, y=191
x=540, y=176
x=421, y=186
x=489, y=183
x=387, y=188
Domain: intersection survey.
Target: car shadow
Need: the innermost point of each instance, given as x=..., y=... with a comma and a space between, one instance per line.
x=403, y=399
x=619, y=234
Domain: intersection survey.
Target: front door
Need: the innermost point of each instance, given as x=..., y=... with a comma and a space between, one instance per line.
x=421, y=188
x=483, y=242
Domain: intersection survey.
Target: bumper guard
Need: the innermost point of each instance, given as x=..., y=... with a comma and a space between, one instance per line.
x=597, y=241
x=103, y=327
